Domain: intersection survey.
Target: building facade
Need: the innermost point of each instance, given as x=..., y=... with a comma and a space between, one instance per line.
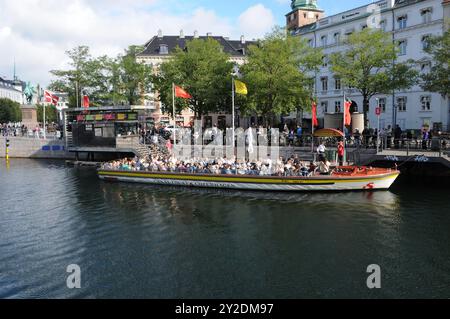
x=160, y=49
x=410, y=23
x=11, y=90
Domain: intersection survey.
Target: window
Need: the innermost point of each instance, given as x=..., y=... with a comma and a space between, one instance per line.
x=425, y=67
x=401, y=104
x=337, y=84
x=163, y=49
x=324, y=40
x=425, y=101
x=402, y=47
x=426, y=15
x=382, y=104
x=383, y=25
x=324, y=81
x=364, y=26
x=324, y=106
x=337, y=106
x=349, y=32
x=402, y=22
x=425, y=42
x=324, y=61
x=311, y=43
x=337, y=37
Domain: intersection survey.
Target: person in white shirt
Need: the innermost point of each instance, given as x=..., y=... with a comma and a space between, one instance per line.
x=321, y=151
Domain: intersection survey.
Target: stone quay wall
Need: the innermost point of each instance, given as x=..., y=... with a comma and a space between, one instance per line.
x=23, y=147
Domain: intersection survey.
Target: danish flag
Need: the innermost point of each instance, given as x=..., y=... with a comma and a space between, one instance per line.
x=50, y=98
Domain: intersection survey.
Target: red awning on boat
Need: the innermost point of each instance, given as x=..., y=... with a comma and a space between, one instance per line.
x=328, y=132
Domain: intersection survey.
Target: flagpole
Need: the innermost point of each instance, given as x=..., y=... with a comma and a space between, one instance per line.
x=45, y=135
x=233, y=112
x=312, y=132
x=174, y=118
x=343, y=128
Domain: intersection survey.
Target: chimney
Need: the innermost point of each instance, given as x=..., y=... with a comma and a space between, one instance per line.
x=181, y=34
x=160, y=34
x=242, y=39
x=195, y=34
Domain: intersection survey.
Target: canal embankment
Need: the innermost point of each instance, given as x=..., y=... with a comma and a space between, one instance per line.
x=24, y=147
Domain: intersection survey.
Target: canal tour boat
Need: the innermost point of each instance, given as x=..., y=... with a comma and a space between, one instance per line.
x=349, y=178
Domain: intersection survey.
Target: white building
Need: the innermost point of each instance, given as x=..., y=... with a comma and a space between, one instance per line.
x=410, y=22
x=11, y=90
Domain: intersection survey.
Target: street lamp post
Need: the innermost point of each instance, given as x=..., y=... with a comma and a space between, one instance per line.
x=378, y=124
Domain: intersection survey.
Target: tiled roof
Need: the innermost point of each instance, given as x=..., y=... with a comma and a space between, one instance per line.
x=235, y=48
x=8, y=85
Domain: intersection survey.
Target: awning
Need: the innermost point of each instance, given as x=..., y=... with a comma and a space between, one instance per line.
x=328, y=132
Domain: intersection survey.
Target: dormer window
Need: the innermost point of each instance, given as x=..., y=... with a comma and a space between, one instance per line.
x=163, y=49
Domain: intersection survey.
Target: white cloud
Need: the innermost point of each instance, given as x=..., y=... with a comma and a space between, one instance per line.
x=36, y=33
x=256, y=21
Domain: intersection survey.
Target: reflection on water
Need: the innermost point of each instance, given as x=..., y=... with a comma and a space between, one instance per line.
x=134, y=240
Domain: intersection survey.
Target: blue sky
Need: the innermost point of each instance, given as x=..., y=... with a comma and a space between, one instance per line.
x=36, y=38
x=233, y=8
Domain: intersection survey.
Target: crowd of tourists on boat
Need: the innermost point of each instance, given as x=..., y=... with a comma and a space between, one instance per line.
x=292, y=166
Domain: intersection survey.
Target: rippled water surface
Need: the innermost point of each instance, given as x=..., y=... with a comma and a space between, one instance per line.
x=139, y=241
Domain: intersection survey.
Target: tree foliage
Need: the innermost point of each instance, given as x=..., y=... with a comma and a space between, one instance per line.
x=438, y=79
x=120, y=80
x=367, y=65
x=279, y=75
x=9, y=111
x=204, y=71
x=51, y=114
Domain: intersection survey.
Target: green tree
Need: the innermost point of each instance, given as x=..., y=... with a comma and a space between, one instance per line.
x=9, y=111
x=278, y=75
x=51, y=114
x=86, y=74
x=203, y=70
x=438, y=79
x=130, y=80
x=367, y=65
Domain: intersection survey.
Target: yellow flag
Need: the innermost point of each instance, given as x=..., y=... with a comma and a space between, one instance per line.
x=241, y=88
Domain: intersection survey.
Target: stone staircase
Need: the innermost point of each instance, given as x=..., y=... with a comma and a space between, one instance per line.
x=153, y=149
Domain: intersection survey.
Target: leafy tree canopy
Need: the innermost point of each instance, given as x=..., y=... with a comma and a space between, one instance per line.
x=279, y=75
x=438, y=79
x=9, y=111
x=367, y=65
x=204, y=71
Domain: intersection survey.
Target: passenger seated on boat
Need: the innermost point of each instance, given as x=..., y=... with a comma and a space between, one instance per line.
x=304, y=171
x=324, y=168
x=312, y=168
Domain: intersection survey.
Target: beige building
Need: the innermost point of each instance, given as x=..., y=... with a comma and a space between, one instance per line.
x=159, y=49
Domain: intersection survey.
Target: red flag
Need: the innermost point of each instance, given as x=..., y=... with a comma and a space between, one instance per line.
x=315, y=122
x=179, y=92
x=86, y=101
x=50, y=98
x=347, y=114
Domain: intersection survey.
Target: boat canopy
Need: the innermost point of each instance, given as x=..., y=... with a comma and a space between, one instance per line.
x=328, y=132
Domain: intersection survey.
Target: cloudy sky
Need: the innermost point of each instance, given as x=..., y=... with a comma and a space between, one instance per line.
x=36, y=33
